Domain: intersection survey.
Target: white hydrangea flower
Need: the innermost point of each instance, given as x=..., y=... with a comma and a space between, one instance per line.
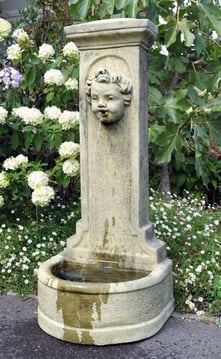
x=52, y=112
x=3, y=115
x=14, y=52
x=68, y=119
x=5, y=29
x=37, y=179
x=53, y=76
x=1, y=201
x=45, y=52
x=71, y=167
x=12, y=163
x=70, y=50
x=68, y=149
x=42, y=195
x=30, y=116
x=4, y=181
x=71, y=84
x=21, y=159
x=21, y=36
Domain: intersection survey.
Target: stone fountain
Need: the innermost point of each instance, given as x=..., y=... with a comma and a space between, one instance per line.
x=113, y=282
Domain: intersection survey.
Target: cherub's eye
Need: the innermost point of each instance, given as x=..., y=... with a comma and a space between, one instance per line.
x=111, y=98
x=94, y=98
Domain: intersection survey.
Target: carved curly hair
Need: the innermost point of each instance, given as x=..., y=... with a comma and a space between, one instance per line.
x=105, y=76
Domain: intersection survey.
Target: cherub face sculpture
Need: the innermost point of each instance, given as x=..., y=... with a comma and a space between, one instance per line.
x=108, y=94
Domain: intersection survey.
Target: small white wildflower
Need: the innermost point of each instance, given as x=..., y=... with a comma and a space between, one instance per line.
x=200, y=312
x=214, y=35
x=3, y=115
x=68, y=119
x=54, y=77
x=45, y=52
x=199, y=268
x=162, y=21
x=164, y=50
x=37, y=179
x=52, y=112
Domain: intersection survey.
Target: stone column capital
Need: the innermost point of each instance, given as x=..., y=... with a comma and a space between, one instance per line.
x=113, y=33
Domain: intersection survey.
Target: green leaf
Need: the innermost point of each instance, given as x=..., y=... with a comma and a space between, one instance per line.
x=132, y=9
x=14, y=140
x=213, y=13
x=214, y=125
x=50, y=97
x=185, y=26
x=155, y=96
x=121, y=4
x=154, y=131
x=201, y=170
x=168, y=145
x=83, y=8
x=72, y=2
x=171, y=33
x=31, y=76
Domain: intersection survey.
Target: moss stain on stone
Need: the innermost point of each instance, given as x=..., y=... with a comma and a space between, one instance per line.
x=78, y=314
x=106, y=228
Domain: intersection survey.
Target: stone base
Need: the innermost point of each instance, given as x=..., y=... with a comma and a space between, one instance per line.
x=104, y=313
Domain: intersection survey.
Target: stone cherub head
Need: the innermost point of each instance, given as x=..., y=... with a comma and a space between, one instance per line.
x=108, y=93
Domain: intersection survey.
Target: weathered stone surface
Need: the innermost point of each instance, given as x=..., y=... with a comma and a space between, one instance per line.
x=114, y=233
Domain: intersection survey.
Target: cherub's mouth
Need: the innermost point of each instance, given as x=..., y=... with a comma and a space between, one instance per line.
x=103, y=113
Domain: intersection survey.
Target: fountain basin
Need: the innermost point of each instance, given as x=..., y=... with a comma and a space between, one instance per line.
x=101, y=304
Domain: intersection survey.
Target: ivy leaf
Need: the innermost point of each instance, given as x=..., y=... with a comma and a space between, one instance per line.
x=185, y=26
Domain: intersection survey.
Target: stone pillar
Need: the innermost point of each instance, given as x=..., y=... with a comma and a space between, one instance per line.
x=114, y=156
x=113, y=282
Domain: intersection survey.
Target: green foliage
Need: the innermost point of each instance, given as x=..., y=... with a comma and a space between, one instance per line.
x=184, y=82
x=39, y=141
x=28, y=238
x=192, y=234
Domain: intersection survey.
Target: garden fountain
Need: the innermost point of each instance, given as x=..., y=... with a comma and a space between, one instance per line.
x=113, y=282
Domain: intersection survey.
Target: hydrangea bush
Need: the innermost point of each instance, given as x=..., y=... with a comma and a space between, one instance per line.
x=39, y=117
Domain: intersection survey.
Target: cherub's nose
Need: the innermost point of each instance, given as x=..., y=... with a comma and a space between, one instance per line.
x=101, y=103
